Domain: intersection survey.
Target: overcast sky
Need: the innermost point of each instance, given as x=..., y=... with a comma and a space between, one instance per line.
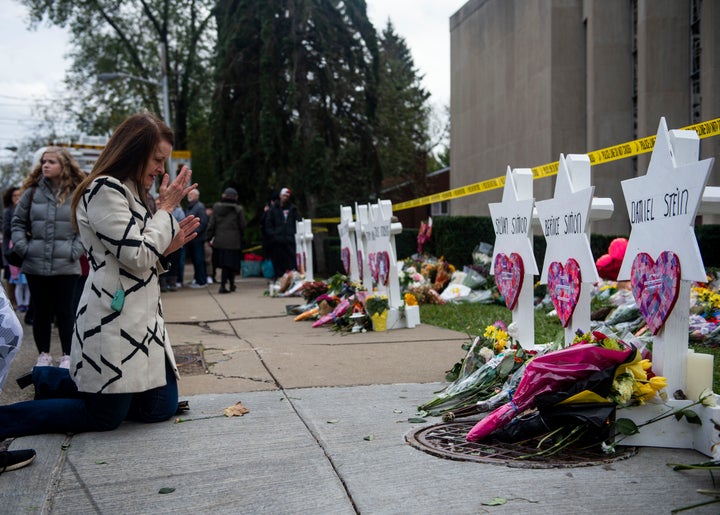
x=33, y=64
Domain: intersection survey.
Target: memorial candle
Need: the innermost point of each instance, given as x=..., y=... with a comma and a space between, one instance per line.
x=699, y=374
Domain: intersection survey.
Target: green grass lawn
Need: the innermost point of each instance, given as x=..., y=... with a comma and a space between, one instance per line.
x=472, y=319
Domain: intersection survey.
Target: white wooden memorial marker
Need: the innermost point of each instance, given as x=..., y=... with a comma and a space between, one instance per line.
x=661, y=262
x=304, y=249
x=348, y=244
x=513, y=262
x=382, y=260
x=569, y=268
x=362, y=234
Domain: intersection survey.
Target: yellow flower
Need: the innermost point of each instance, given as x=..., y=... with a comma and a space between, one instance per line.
x=500, y=345
x=658, y=383
x=490, y=332
x=410, y=299
x=645, y=392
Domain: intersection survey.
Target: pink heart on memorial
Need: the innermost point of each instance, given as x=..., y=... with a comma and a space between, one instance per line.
x=564, y=288
x=655, y=286
x=509, y=273
x=345, y=257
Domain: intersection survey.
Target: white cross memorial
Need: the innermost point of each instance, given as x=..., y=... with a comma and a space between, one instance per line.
x=569, y=268
x=348, y=244
x=513, y=263
x=661, y=262
x=303, y=248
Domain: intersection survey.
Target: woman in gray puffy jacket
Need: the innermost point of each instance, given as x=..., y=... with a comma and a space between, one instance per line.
x=43, y=233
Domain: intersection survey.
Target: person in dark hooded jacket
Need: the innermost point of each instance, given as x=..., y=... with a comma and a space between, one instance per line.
x=225, y=234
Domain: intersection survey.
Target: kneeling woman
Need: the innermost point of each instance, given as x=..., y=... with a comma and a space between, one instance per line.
x=121, y=359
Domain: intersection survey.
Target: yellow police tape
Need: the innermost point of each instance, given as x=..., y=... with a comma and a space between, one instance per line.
x=604, y=155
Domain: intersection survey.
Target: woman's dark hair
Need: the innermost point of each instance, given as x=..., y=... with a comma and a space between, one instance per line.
x=127, y=153
x=7, y=196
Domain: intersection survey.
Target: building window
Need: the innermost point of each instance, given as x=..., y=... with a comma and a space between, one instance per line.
x=440, y=208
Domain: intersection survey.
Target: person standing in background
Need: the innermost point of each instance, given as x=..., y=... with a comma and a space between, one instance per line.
x=280, y=228
x=196, y=248
x=225, y=233
x=10, y=200
x=173, y=277
x=43, y=232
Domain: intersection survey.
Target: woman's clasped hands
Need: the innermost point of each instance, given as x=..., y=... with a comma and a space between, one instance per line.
x=169, y=196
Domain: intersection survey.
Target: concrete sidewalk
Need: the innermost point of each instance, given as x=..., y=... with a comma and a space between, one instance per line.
x=325, y=432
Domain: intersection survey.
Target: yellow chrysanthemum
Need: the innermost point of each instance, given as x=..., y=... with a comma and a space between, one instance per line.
x=500, y=345
x=410, y=299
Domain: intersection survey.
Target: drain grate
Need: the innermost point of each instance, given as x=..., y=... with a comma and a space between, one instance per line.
x=189, y=359
x=447, y=440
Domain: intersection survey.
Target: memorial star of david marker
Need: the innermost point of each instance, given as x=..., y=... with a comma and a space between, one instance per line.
x=564, y=222
x=513, y=262
x=662, y=205
x=663, y=258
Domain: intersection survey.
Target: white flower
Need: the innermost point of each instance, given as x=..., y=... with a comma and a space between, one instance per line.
x=486, y=354
x=513, y=330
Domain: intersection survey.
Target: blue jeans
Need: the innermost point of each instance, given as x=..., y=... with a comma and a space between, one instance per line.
x=90, y=411
x=196, y=250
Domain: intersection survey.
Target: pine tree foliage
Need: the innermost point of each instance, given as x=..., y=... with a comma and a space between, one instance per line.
x=296, y=100
x=402, y=115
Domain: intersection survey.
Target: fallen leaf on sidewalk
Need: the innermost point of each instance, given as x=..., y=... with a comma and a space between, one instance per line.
x=369, y=438
x=333, y=421
x=237, y=410
x=166, y=490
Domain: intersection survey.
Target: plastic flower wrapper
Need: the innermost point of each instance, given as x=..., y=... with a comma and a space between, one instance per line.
x=554, y=376
x=624, y=313
x=482, y=372
x=339, y=310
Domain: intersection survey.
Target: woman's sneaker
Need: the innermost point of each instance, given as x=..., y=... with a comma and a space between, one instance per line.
x=13, y=460
x=64, y=362
x=44, y=360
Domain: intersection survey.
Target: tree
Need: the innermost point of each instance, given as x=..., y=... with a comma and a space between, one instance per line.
x=132, y=37
x=403, y=115
x=295, y=100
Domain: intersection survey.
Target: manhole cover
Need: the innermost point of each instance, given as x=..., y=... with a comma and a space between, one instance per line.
x=189, y=359
x=447, y=440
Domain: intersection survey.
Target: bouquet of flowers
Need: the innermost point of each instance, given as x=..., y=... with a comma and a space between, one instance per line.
x=581, y=384
x=376, y=304
x=481, y=373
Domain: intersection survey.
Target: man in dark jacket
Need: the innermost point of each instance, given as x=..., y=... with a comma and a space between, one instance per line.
x=196, y=248
x=280, y=229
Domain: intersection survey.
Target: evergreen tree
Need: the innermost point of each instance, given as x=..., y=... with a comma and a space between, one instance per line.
x=295, y=100
x=403, y=114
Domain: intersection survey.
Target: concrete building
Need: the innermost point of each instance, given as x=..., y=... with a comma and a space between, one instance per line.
x=531, y=79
